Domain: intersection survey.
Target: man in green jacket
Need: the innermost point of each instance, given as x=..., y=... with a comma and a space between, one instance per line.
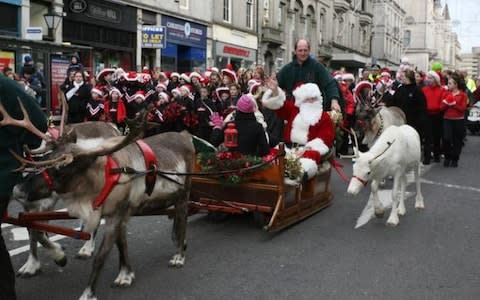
x=305, y=69
x=13, y=138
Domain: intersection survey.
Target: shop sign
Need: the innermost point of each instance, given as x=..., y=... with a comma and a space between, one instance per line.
x=78, y=6
x=34, y=33
x=58, y=68
x=230, y=50
x=7, y=59
x=105, y=13
x=154, y=37
x=186, y=33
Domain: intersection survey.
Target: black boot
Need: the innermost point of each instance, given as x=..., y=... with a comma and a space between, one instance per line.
x=454, y=164
x=446, y=163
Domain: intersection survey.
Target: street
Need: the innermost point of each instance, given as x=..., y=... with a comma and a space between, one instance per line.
x=432, y=254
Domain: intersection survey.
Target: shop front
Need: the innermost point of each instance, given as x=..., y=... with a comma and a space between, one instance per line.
x=186, y=45
x=238, y=57
x=110, y=29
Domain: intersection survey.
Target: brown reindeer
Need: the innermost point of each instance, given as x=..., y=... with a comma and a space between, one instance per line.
x=37, y=195
x=78, y=174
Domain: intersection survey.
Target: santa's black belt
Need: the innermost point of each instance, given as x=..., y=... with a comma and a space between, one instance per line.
x=293, y=145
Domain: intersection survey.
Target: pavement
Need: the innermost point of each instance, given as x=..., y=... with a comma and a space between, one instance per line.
x=432, y=254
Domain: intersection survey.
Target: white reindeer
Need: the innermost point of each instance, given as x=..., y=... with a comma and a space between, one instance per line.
x=396, y=151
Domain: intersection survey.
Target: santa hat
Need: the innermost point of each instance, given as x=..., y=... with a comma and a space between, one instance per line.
x=214, y=69
x=337, y=75
x=144, y=77
x=254, y=87
x=435, y=76
x=174, y=74
x=104, y=73
x=164, y=96
x=385, y=74
x=246, y=104
x=97, y=90
x=139, y=94
x=362, y=85
x=185, y=77
x=195, y=74
x=131, y=76
x=115, y=90
x=162, y=85
x=230, y=73
x=307, y=90
x=222, y=90
x=348, y=76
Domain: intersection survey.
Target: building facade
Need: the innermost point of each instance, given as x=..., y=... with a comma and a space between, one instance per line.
x=428, y=35
x=471, y=62
x=387, y=32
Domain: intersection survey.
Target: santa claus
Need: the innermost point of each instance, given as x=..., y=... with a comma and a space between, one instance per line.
x=308, y=128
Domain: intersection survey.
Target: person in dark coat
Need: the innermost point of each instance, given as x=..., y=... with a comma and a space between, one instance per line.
x=251, y=135
x=77, y=97
x=410, y=98
x=13, y=138
x=206, y=107
x=75, y=65
x=95, y=109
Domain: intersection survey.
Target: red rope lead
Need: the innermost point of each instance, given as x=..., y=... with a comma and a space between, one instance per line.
x=339, y=168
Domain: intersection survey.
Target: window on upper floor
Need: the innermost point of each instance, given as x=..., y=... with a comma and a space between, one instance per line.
x=407, y=38
x=227, y=10
x=184, y=4
x=249, y=14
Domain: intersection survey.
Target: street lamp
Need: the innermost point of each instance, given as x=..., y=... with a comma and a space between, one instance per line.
x=52, y=19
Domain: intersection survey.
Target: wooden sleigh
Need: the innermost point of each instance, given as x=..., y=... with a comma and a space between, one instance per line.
x=274, y=204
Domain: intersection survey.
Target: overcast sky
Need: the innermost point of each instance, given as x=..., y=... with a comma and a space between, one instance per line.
x=465, y=15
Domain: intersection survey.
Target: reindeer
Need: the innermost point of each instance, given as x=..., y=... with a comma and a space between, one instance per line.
x=42, y=197
x=78, y=174
x=396, y=151
x=373, y=119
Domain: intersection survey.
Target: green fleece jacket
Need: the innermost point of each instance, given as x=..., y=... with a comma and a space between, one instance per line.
x=12, y=137
x=293, y=74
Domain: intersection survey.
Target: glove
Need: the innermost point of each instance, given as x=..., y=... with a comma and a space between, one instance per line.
x=217, y=120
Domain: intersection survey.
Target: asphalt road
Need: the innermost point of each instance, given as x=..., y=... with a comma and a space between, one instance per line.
x=432, y=254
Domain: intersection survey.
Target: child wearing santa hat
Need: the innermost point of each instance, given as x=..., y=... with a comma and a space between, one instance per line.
x=115, y=110
x=95, y=107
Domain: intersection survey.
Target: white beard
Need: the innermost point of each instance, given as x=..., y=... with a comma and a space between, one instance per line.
x=311, y=112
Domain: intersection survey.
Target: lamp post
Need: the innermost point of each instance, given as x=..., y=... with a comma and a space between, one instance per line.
x=52, y=19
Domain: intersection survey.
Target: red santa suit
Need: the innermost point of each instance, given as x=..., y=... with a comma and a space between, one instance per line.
x=315, y=133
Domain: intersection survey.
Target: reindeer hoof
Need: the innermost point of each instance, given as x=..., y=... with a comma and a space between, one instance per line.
x=29, y=269
x=419, y=206
x=88, y=295
x=62, y=262
x=177, y=261
x=392, y=222
x=402, y=211
x=379, y=214
x=124, y=279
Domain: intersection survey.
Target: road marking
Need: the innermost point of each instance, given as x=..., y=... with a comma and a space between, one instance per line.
x=453, y=186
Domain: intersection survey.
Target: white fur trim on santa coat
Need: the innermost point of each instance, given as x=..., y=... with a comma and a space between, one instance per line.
x=318, y=145
x=273, y=102
x=309, y=166
x=300, y=129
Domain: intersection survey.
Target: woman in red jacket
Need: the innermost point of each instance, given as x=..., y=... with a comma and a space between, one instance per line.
x=454, y=106
x=434, y=94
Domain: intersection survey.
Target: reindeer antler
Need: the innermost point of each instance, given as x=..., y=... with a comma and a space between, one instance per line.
x=355, y=147
x=24, y=123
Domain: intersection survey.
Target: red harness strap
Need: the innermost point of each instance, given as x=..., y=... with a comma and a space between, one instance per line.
x=362, y=181
x=111, y=181
x=150, y=165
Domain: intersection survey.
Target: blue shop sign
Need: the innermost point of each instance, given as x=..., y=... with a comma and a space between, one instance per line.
x=153, y=37
x=185, y=33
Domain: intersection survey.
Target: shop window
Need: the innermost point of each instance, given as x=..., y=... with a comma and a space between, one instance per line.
x=9, y=19
x=250, y=14
x=227, y=11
